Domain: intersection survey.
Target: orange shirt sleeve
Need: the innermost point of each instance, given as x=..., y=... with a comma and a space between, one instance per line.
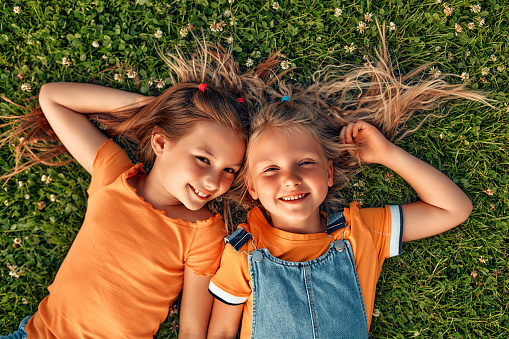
x=110, y=162
x=206, y=248
x=231, y=283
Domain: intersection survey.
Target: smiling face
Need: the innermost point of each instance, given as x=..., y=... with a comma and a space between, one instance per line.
x=290, y=176
x=199, y=167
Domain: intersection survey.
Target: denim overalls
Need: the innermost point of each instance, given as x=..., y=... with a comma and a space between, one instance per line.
x=320, y=298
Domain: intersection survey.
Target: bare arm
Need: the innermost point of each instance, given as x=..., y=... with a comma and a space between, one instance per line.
x=443, y=205
x=64, y=105
x=225, y=320
x=195, y=307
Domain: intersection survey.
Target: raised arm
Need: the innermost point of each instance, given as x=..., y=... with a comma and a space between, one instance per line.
x=64, y=105
x=442, y=205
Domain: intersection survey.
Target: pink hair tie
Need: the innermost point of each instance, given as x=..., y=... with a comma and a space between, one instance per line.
x=240, y=100
x=202, y=87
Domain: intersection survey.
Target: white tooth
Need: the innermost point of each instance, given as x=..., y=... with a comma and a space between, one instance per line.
x=200, y=193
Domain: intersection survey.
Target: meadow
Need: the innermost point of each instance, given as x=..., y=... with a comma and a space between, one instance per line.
x=454, y=285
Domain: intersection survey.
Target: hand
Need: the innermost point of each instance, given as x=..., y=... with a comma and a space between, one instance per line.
x=373, y=147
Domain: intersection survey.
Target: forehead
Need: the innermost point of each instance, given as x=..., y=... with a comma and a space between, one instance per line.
x=275, y=142
x=213, y=138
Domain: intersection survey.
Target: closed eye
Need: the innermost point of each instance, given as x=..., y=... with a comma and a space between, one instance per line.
x=306, y=162
x=229, y=170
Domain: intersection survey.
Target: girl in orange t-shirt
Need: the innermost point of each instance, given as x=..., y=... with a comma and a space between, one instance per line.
x=295, y=272
x=147, y=234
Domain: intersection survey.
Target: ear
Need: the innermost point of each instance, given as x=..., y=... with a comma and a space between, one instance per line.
x=330, y=173
x=250, y=188
x=158, y=143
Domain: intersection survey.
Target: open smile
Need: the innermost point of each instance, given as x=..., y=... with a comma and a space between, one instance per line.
x=294, y=197
x=201, y=194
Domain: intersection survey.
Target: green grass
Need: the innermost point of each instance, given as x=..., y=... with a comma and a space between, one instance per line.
x=454, y=285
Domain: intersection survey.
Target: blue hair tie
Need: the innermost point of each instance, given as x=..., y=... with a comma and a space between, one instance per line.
x=285, y=98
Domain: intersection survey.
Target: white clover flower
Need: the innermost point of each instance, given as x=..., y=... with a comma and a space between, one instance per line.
x=183, y=32
x=27, y=196
x=331, y=49
x=131, y=73
x=338, y=12
x=20, y=183
x=230, y=40
x=249, y=62
x=438, y=48
x=52, y=197
x=104, y=56
x=158, y=34
x=493, y=57
x=361, y=27
x=350, y=48
x=475, y=8
x=471, y=25
x=95, y=44
x=26, y=87
x=458, y=28
x=485, y=71
x=392, y=26
x=464, y=76
x=233, y=21
x=16, y=9
x=217, y=27
x=468, y=53
x=17, y=241
x=160, y=83
x=285, y=64
x=480, y=20
x=227, y=13
x=435, y=72
x=24, y=301
x=442, y=135
x=118, y=77
x=6, y=203
x=275, y=5
x=501, y=68
x=66, y=61
x=230, y=1
x=448, y=10
x=258, y=54
x=368, y=17
x=44, y=178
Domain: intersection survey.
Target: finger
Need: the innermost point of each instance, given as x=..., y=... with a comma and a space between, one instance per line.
x=348, y=133
x=342, y=139
x=359, y=125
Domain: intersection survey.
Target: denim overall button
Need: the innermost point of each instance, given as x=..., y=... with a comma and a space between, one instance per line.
x=257, y=256
x=339, y=245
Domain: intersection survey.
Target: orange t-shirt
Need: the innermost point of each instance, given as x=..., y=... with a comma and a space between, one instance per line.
x=125, y=267
x=374, y=234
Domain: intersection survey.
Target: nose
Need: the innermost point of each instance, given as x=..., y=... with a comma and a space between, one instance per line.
x=291, y=178
x=212, y=180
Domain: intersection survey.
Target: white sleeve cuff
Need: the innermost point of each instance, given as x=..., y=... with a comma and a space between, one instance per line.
x=396, y=230
x=225, y=297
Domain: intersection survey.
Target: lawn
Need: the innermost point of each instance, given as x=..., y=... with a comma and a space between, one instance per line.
x=454, y=285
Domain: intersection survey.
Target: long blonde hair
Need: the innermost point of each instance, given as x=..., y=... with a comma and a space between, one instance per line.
x=372, y=92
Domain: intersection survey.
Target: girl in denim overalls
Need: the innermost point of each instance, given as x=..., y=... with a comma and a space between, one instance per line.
x=293, y=271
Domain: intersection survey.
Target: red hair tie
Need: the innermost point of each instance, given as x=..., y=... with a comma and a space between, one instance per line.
x=202, y=87
x=240, y=100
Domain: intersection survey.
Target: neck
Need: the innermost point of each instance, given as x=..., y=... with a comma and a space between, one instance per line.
x=315, y=223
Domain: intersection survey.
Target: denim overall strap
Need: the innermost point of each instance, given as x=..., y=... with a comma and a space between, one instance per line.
x=320, y=298
x=238, y=238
